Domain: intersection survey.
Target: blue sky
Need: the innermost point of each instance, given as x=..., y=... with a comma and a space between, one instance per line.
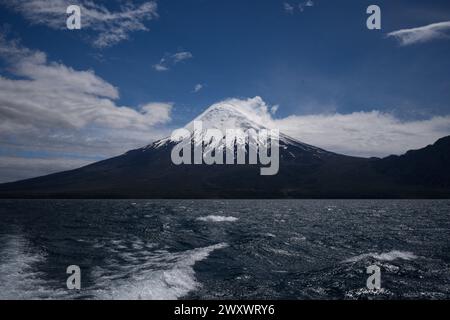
x=319, y=62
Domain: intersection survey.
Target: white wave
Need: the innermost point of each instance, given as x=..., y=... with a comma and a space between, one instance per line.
x=164, y=276
x=212, y=218
x=388, y=256
x=298, y=238
x=282, y=252
x=364, y=292
x=19, y=278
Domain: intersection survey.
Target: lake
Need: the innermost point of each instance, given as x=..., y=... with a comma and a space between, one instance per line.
x=225, y=249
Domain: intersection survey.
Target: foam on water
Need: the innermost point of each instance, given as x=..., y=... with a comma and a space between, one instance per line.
x=18, y=276
x=364, y=292
x=213, y=218
x=164, y=275
x=388, y=256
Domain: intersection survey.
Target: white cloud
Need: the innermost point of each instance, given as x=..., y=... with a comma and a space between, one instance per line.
x=170, y=60
x=274, y=109
x=423, y=34
x=111, y=27
x=180, y=56
x=160, y=67
x=305, y=4
x=53, y=109
x=198, y=87
x=288, y=8
x=159, y=112
x=364, y=134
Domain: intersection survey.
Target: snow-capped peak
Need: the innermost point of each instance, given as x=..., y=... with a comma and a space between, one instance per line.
x=234, y=114
x=231, y=114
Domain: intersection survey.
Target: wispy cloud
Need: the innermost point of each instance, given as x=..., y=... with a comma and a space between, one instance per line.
x=50, y=108
x=423, y=34
x=170, y=60
x=305, y=4
x=198, y=87
x=111, y=27
x=160, y=66
x=181, y=56
x=290, y=8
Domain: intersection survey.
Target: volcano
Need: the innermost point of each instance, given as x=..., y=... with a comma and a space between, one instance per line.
x=305, y=171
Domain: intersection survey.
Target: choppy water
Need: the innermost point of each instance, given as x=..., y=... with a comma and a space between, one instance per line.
x=287, y=249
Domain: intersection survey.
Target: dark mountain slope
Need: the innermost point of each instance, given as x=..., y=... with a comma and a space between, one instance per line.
x=429, y=166
x=149, y=173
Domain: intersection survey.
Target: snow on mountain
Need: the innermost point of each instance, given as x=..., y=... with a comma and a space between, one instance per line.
x=234, y=114
x=239, y=114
